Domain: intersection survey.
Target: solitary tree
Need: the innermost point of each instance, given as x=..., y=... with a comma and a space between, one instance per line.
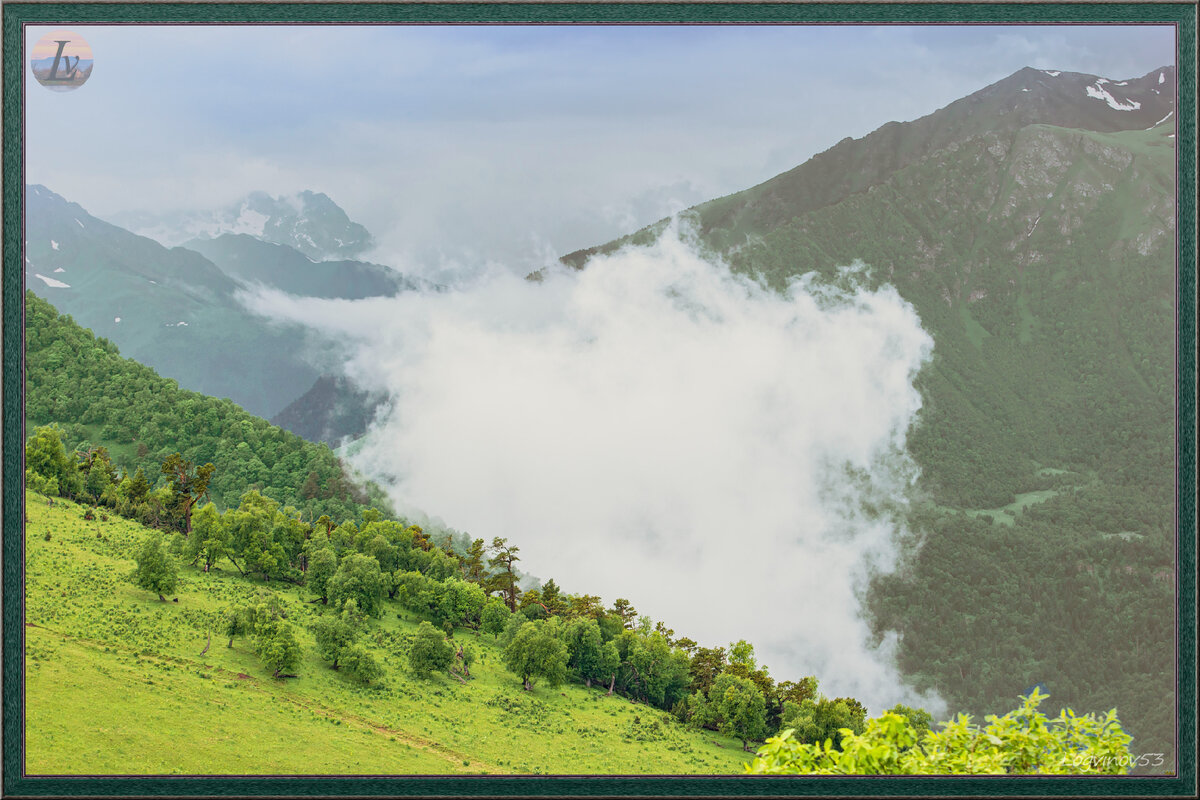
x=359, y=664
x=280, y=651
x=336, y=632
x=534, y=653
x=156, y=571
x=430, y=652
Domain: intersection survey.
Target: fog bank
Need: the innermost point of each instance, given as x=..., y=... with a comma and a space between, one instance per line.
x=728, y=458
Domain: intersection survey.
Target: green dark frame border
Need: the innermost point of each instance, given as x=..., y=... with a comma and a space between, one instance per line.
x=1182, y=14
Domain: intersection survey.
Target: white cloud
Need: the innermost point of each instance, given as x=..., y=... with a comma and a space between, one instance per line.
x=657, y=429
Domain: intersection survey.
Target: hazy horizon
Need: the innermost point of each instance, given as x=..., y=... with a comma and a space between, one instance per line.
x=457, y=145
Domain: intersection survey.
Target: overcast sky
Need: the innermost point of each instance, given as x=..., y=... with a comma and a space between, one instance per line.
x=506, y=143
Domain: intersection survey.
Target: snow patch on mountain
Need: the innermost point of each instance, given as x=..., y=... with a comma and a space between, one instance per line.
x=53, y=244
x=1053, y=73
x=1095, y=90
x=51, y=282
x=250, y=222
x=60, y=269
x=1162, y=78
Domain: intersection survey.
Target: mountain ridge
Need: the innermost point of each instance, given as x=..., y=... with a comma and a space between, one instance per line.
x=853, y=165
x=310, y=222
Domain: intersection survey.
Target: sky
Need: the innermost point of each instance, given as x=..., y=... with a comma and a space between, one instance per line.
x=465, y=144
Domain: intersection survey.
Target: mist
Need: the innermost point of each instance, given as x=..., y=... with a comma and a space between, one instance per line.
x=729, y=458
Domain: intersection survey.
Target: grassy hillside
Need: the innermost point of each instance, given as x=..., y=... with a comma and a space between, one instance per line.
x=116, y=683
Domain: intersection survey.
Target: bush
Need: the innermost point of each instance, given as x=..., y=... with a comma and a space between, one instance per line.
x=1022, y=742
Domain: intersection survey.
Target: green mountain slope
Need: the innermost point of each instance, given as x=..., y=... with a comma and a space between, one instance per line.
x=170, y=309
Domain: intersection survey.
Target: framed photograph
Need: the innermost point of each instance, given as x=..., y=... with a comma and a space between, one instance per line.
x=576, y=399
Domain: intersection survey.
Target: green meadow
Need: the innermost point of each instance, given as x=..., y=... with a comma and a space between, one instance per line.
x=120, y=682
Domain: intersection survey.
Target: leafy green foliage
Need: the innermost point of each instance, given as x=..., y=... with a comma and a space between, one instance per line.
x=1022, y=742
x=322, y=565
x=430, y=652
x=156, y=571
x=358, y=578
x=45, y=456
x=535, y=652
x=494, y=617
x=737, y=708
x=815, y=720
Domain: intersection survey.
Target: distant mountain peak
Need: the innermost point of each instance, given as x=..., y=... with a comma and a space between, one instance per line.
x=307, y=221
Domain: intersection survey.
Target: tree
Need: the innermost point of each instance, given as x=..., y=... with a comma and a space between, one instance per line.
x=651, y=670
x=430, y=652
x=815, y=721
x=46, y=456
x=97, y=471
x=461, y=602
x=503, y=558
x=156, y=571
x=920, y=719
x=251, y=527
x=586, y=651
x=210, y=540
x=534, y=653
x=494, y=617
x=1022, y=742
x=311, y=487
x=280, y=651
x=335, y=633
x=322, y=565
x=740, y=708
x=626, y=612
x=706, y=664
x=472, y=565
x=358, y=578
x=360, y=664
x=239, y=621
x=139, y=487
x=188, y=483
x=274, y=640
